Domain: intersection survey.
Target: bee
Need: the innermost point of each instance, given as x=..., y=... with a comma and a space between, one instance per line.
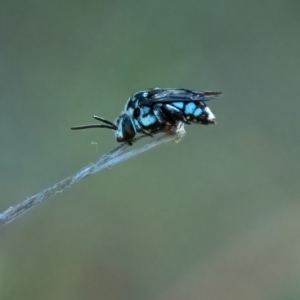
x=156, y=110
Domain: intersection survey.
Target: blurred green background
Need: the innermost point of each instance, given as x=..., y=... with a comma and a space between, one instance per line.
x=215, y=216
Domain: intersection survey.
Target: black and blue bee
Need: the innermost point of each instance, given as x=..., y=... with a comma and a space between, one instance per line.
x=156, y=110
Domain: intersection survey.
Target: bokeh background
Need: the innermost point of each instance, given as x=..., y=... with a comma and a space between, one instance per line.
x=216, y=216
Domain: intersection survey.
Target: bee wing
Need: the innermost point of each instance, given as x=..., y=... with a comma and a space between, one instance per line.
x=178, y=95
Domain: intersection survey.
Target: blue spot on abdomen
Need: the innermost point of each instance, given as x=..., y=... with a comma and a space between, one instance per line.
x=177, y=104
x=197, y=112
x=189, y=108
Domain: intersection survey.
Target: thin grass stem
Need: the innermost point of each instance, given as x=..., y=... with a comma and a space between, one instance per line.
x=107, y=160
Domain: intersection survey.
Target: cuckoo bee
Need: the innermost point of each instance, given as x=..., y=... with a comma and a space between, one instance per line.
x=155, y=110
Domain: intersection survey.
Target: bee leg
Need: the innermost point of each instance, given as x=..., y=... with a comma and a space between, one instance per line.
x=178, y=129
x=143, y=131
x=148, y=133
x=160, y=116
x=174, y=114
x=140, y=129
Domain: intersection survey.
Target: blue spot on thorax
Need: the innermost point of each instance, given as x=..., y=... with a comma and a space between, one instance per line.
x=145, y=110
x=147, y=120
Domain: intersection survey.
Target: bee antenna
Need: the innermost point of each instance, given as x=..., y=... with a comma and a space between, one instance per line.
x=93, y=126
x=109, y=126
x=105, y=121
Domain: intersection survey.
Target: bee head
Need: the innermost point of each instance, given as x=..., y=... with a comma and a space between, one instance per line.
x=124, y=127
x=125, y=130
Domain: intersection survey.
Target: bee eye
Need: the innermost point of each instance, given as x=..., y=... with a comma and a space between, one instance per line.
x=128, y=129
x=136, y=112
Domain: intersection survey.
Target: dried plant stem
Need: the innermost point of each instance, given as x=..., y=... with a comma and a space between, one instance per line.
x=107, y=160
